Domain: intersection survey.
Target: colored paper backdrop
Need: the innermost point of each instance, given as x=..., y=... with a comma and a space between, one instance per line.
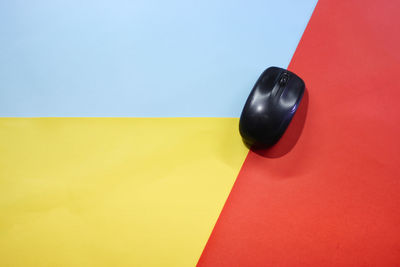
x=127, y=192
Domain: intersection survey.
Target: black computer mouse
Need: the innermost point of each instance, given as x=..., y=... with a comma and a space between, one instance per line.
x=270, y=107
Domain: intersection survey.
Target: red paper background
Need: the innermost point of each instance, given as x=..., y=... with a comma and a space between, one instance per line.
x=334, y=198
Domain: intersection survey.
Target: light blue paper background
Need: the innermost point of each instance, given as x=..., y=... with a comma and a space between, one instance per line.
x=146, y=58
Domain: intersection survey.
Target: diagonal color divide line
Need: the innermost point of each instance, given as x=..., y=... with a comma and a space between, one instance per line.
x=333, y=199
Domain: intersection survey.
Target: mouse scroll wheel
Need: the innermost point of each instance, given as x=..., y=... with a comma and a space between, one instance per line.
x=284, y=79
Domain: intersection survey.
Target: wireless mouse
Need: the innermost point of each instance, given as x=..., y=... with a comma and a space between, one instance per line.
x=270, y=107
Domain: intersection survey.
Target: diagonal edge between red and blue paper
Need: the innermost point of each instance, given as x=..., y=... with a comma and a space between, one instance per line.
x=333, y=199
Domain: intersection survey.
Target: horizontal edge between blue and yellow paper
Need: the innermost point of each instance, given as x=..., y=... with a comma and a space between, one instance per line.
x=113, y=191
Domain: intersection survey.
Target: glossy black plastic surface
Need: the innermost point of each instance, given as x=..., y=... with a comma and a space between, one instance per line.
x=270, y=107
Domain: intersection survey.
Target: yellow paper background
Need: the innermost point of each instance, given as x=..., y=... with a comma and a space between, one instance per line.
x=113, y=191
